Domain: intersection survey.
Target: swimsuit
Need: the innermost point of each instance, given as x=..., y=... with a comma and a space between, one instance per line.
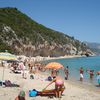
x=59, y=82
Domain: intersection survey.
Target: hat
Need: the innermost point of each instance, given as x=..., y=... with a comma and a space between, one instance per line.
x=22, y=94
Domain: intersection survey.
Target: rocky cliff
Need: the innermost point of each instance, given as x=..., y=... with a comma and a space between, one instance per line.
x=22, y=35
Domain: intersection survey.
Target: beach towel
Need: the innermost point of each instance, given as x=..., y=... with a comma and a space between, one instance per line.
x=49, y=93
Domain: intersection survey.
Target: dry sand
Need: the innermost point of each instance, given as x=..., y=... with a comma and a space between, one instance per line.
x=72, y=91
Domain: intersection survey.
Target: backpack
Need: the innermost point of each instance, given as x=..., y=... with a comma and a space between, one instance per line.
x=33, y=93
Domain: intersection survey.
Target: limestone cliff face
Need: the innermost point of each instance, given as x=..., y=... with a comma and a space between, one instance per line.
x=22, y=35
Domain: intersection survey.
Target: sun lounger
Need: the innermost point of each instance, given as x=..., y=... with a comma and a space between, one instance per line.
x=49, y=92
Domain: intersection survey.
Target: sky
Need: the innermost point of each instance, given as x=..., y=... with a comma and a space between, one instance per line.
x=77, y=18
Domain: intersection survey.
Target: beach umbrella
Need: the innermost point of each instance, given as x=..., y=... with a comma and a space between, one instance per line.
x=54, y=65
x=7, y=56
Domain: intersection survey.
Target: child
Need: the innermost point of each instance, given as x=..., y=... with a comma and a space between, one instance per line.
x=21, y=96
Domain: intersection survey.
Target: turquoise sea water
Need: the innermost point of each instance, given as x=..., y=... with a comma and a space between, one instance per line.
x=85, y=62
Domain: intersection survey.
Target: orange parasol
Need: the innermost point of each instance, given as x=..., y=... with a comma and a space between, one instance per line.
x=54, y=65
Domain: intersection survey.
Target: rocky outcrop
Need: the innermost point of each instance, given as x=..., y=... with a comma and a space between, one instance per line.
x=25, y=36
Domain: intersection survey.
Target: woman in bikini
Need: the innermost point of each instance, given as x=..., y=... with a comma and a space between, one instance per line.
x=59, y=84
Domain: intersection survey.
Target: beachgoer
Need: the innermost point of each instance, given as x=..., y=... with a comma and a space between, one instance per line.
x=24, y=72
x=66, y=71
x=21, y=96
x=22, y=67
x=81, y=73
x=33, y=70
x=54, y=73
x=59, y=84
x=30, y=67
x=98, y=79
x=91, y=73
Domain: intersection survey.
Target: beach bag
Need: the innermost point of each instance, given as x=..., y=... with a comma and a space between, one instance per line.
x=33, y=93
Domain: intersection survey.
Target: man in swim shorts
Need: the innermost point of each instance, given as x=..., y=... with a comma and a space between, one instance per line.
x=81, y=74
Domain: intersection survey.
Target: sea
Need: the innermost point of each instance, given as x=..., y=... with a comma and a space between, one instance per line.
x=92, y=63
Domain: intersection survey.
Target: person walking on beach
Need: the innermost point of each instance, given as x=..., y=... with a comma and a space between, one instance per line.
x=81, y=73
x=66, y=71
x=22, y=67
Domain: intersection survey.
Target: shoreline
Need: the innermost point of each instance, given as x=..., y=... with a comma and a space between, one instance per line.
x=84, y=86
x=63, y=57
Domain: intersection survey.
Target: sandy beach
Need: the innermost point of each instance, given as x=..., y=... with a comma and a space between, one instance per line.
x=72, y=91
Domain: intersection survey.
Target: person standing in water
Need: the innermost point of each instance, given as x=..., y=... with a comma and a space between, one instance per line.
x=81, y=73
x=66, y=71
x=91, y=73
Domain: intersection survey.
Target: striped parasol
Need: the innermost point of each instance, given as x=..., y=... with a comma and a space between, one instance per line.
x=7, y=56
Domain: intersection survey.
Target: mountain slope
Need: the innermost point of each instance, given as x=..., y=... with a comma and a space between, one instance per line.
x=22, y=35
x=95, y=47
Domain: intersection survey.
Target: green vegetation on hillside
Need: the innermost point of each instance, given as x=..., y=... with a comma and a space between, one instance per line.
x=28, y=30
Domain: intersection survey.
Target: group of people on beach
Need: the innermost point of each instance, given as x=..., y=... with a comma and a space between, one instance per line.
x=59, y=88
x=81, y=71
x=24, y=67
x=59, y=82
x=90, y=72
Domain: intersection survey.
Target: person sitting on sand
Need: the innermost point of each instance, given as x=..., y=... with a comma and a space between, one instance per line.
x=21, y=96
x=59, y=84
